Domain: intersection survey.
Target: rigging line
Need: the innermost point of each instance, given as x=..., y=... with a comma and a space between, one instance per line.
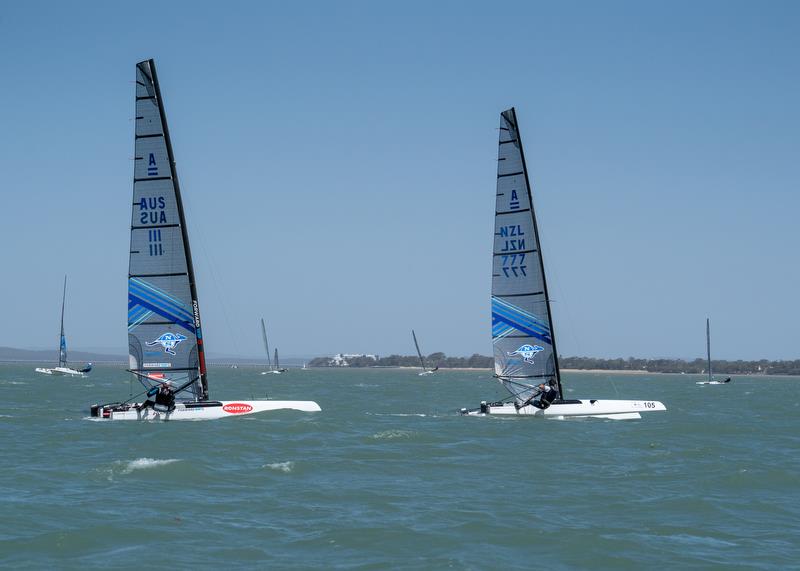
x=197, y=230
x=551, y=268
x=616, y=392
x=515, y=395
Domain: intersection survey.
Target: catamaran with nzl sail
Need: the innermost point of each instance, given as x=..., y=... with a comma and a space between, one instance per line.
x=62, y=368
x=525, y=357
x=425, y=369
x=166, y=348
x=710, y=380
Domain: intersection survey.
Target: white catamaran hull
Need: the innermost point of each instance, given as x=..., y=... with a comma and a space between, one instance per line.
x=712, y=383
x=58, y=371
x=576, y=408
x=208, y=410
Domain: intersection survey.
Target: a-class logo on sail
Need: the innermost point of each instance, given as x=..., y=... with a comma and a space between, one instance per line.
x=152, y=166
x=237, y=407
x=168, y=341
x=528, y=352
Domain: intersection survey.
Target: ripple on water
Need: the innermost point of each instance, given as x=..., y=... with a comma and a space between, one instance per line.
x=394, y=434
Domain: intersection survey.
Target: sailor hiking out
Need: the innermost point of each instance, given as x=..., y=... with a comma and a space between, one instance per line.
x=163, y=398
x=546, y=394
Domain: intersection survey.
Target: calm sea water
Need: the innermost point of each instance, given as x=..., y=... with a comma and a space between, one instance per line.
x=388, y=476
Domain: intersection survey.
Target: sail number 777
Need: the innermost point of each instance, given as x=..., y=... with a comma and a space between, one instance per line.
x=514, y=266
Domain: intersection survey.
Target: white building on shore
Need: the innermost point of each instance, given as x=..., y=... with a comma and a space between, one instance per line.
x=340, y=359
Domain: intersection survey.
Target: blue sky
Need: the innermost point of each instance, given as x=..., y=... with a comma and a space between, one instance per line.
x=338, y=164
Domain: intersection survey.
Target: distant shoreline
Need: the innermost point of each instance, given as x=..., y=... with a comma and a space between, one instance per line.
x=621, y=372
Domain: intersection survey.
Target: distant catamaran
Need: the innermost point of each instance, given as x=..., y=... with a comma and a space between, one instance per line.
x=710, y=380
x=525, y=355
x=277, y=368
x=166, y=348
x=425, y=369
x=62, y=368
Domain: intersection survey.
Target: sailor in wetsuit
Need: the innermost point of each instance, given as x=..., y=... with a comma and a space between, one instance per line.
x=547, y=394
x=164, y=398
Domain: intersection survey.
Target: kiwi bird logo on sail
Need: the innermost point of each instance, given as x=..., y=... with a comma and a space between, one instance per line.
x=168, y=341
x=528, y=352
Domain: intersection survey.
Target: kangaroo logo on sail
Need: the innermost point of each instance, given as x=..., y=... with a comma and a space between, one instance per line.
x=168, y=341
x=528, y=352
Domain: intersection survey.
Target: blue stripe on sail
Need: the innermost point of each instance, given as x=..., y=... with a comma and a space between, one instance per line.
x=499, y=331
x=177, y=320
x=137, y=315
x=518, y=315
x=157, y=296
x=160, y=300
x=499, y=304
x=545, y=337
x=151, y=291
x=132, y=324
x=520, y=319
x=160, y=292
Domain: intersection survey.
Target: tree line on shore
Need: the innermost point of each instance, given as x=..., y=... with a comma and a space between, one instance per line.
x=696, y=366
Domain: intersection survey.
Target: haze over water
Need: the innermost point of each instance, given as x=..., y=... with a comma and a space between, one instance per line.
x=389, y=476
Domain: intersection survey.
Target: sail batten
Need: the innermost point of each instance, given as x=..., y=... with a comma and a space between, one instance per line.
x=164, y=332
x=522, y=328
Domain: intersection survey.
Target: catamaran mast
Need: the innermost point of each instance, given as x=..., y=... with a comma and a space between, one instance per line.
x=62, y=341
x=541, y=257
x=708, y=346
x=184, y=234
x=421, y=358
x=266, y=343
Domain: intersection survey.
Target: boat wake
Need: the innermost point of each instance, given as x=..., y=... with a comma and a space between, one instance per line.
x=284, y=467
x=144, y=464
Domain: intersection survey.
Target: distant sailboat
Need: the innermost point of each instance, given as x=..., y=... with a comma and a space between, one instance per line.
x=711, y=380
x=525, y=356
x=277, y=368
x=62, y=368
x=425, y=369
x=166, y=345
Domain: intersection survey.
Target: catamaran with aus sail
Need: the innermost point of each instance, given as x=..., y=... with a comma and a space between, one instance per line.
x=63, y=368
x=165, y=338
x=524, y=340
